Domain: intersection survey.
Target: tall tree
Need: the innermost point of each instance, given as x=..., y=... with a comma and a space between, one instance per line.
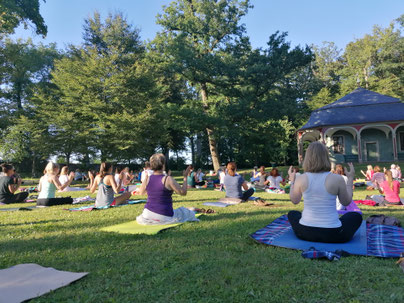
x=106, y=92
x=195, y=35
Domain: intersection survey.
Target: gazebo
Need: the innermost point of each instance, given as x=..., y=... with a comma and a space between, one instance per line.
x=362, y=126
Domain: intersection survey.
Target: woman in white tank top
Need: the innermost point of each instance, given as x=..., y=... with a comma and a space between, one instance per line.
x=319, y=188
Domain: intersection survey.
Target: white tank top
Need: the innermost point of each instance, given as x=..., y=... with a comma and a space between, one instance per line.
x=319, y=205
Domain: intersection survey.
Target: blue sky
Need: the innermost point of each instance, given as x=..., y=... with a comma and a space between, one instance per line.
x=306, y=21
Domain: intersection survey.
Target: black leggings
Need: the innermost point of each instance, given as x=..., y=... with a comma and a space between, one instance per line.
x=248, y=193
x=351, y=221
x=17, y=198
x=54, y=201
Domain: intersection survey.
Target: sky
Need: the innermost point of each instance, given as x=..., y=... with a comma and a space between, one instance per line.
x=306, y=21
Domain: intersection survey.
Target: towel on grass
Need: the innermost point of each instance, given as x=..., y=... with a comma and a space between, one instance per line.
x=93, y=207
x=26, y=281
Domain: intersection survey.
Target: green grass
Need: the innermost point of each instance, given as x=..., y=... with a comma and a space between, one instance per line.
x=213, y=260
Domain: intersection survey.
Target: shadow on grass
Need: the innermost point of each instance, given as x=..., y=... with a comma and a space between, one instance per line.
x=30, y=223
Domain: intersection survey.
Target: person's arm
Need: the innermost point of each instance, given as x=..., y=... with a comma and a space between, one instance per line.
x=13, y=187
x=296, y=183
x=39, y=185
x=94, y=184
x=363, y=173
x=283, y=182
x=55, y=180
x=345, y=189
x=244, y=185
x=116, y=187
x=173, y=185
x=142, y=190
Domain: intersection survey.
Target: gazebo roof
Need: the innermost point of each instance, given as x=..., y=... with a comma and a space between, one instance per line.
x=359, y=107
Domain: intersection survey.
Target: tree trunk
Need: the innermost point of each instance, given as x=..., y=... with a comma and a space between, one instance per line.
x=33, y=171
x=214, y=152
x=67, y=159
x=191, y=138
x=365, y=73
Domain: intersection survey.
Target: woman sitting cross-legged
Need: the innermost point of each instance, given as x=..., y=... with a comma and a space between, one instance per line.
x=107, y=187
x=319, y=221
x=9, y=184
x=159, y=187
x=391, y=189
x=48, y=184
x=64, y=178
x=233, y=184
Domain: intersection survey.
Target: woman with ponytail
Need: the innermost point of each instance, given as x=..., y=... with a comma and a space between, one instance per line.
x=107, y=186
x=391, y=189
x=48, y=184
x=234, y=183
x=9, y=185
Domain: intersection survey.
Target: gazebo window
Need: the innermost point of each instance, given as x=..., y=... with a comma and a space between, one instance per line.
x=401, y=139
x=338, y=144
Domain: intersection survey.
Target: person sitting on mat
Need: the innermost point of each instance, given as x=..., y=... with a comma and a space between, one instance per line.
x=377, y=179
x=107, y=186
x=9, y=183
x=191, y=179
x=233, y=184
x=64, y=178
x=319, y=221
x=48, y=184
x=274, y=180
x=339, y=170
x=159, y=188
x=391, y=189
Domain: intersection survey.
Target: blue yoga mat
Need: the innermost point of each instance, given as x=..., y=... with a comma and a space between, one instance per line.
x=357, y=246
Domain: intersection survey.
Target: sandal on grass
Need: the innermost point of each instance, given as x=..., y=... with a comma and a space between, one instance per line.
x=261, y=202
x=204, y=211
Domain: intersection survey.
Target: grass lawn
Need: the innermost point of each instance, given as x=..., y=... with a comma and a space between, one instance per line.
x=213, y=260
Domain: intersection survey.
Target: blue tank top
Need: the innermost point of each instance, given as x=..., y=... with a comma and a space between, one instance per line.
x=159, y=198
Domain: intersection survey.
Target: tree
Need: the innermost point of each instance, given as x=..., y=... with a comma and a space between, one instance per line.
x=24, y=67
x=16, y=12
x=195, y=35
x=105, y=96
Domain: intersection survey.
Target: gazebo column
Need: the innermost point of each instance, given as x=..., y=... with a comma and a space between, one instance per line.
x=394, y=138
x=359, y=143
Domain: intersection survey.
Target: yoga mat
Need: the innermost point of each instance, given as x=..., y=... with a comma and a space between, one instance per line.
x=217, y=204
x=357, y=246
x=370, y=240
x=92, y=207
x=18, y=208
x=26, y=281
x=134, y=228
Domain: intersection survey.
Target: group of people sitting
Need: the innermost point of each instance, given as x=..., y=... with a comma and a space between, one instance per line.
x=387, y=182
x=271, y=181
x=318, y=186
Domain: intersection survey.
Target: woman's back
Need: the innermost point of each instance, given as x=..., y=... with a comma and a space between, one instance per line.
x=48, y=189
x=159, y=198
x=105, y=194
x=232, y=185
x=319, y=205
x=391, y=194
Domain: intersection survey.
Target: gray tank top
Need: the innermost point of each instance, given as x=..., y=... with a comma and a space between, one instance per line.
x=105, y=195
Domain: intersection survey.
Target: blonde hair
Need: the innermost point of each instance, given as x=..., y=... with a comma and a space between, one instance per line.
x=317, y=159
x=157, y=162
x=50, y=167
x=369, y=167
x=389, y=178
x=64, y=170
